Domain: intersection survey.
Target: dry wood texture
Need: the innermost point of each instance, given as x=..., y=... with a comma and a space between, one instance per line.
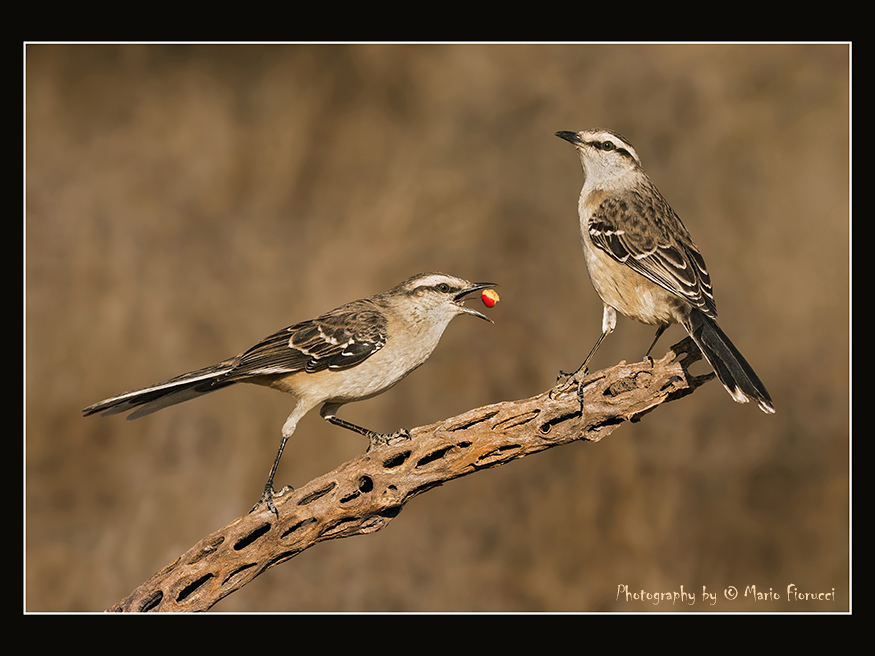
x=366, y=493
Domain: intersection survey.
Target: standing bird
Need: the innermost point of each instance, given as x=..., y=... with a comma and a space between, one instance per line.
x=643, y=262
x=354, y=352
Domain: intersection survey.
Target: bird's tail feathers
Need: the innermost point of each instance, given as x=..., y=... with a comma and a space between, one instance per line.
x=161, y=395
x=737, y=376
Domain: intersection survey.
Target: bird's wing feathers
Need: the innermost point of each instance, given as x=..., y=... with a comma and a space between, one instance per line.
x=643, y=232
x=338, y=339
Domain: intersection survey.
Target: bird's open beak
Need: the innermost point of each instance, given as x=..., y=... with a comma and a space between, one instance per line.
x=462, y=295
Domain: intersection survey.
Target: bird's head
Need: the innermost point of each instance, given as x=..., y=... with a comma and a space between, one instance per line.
x=440, y=295
x=604, y=154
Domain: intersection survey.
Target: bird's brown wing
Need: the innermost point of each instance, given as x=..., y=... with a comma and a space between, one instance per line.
x=338, y=340
x=641, y=230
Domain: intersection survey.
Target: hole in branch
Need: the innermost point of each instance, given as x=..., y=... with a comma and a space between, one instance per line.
x=391, y=512
x=349, y=497
x=517, y=420
x=190, y=589
x=283, y=556
x=237, y=571
x=547, y=426
x=474, y=421
x=152, y=601
x=297, y=526
x=397, y=460
x=318, y=494
x=244, y=542
x=434, y=455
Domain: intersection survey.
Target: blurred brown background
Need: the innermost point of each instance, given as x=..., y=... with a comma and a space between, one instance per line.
x=185, y=201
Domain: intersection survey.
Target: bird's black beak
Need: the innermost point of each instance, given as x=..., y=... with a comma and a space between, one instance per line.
x=571, y=137
x=465, y=293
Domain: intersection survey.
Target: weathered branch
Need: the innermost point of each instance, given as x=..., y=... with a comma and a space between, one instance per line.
x=366, y=493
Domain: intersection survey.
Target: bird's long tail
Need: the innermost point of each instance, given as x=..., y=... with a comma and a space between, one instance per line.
x=170, y=392
x=737, y=376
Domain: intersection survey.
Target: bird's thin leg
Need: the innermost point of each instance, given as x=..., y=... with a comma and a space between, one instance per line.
x=269, y=493
x=573, y=378
x=375, y=440
x=609, y=322
x=267, y=497
x=588, y=358
x=661, y=329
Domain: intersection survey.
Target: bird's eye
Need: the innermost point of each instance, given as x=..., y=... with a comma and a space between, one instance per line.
x=443, y=288
x=607, y=145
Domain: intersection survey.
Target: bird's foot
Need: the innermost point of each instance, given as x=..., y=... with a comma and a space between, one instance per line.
x=380, y=440
x=268, y=496
x=565, y=381
x=580, y=395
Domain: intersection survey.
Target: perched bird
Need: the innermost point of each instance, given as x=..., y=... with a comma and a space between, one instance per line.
x=643, y=262
x=354, y=352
